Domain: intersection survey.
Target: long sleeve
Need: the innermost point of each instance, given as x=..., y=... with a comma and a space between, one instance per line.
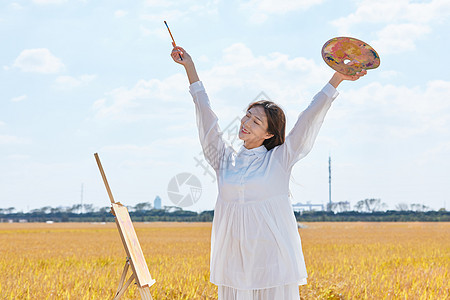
x=209, y=131
x=300, y=139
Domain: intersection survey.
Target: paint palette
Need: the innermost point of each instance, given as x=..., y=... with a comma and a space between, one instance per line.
x=340, y=51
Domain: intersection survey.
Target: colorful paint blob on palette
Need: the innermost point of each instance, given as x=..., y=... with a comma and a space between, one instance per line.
x=348, y=55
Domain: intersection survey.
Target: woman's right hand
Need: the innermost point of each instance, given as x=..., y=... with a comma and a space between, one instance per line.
x=180, y=56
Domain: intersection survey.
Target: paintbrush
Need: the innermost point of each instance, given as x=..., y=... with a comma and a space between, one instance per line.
x=174, y=44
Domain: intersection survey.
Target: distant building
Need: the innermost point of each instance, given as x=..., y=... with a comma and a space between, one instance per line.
x=300, y=207
x=157, y=203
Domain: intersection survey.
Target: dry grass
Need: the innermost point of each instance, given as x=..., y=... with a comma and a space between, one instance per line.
x=344, y=260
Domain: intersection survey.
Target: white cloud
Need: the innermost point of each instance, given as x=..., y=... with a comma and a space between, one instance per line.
x=397, y=38
x=182, y=10
x=398, y=112
x=235, y=80
x=402, y=21
x=158, y=3
x=203, y=58
x=173, y=14
x=279, y=7
x=158, y=147
x=154, y=153
x=285, y=79
x=440, y=150
x=87, y=77
x=19, y=98
x=99, y=104
x=147, y=99
x=158, y=32
x=46, y=2
x=39, y=60
x=12, y=140
x=399, y=11
x=69, y=82
x=389, y=74
x=371, y=113
x=16, y=6
x=260, y=10
x=120, y=13
x=18, y=157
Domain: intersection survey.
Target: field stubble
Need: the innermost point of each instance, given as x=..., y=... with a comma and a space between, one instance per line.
x=344, y=260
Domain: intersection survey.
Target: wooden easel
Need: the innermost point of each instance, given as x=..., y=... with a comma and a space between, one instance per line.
x=135, y=257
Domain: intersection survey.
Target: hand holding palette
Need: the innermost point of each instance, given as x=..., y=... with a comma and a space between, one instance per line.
x=348, y=55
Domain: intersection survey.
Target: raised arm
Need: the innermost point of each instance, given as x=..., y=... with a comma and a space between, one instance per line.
x=338, y=78
x=179, y=55
x=207, y=122
x=300, y=139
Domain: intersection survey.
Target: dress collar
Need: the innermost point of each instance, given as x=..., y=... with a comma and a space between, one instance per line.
x=261, y=150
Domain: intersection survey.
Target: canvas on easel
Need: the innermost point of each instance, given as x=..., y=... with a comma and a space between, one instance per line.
x=135, y=256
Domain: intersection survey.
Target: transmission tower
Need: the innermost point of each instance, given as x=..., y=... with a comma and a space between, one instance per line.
x=329, y=182
x=81, y=196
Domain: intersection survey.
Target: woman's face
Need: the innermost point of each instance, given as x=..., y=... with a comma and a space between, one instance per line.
x=253, y=130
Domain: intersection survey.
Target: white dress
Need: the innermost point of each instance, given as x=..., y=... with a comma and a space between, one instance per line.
x=255, y=245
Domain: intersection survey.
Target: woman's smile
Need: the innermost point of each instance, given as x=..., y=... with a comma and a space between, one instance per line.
x=244, y=131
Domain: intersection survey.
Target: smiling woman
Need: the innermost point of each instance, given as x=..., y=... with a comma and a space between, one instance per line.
x=256, y=251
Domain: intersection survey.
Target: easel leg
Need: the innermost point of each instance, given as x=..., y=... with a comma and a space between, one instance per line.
x=121, y=289
x=124, y=288
x=145, y=293
x=124, y=273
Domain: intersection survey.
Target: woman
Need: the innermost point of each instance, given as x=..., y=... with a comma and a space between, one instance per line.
x=255, y=245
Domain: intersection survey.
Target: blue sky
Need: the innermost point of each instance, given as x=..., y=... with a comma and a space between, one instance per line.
x=79, y=77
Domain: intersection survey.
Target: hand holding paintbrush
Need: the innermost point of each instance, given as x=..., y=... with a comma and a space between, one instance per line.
x=173, y=41
x=179, y=55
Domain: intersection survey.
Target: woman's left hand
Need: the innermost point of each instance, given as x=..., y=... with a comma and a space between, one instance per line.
x=339, y=77
x=352, y=77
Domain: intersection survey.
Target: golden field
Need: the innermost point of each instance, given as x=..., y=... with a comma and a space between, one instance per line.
x=344, y=260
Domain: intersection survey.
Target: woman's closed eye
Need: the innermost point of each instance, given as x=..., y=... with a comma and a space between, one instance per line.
x=250, y=116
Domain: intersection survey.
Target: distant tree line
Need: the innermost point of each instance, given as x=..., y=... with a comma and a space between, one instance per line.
x=372, y=205
x=379, y=216
x=368, y=210
x=141, y=212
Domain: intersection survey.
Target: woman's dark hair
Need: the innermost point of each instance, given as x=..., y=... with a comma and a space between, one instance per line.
x=276, y=122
